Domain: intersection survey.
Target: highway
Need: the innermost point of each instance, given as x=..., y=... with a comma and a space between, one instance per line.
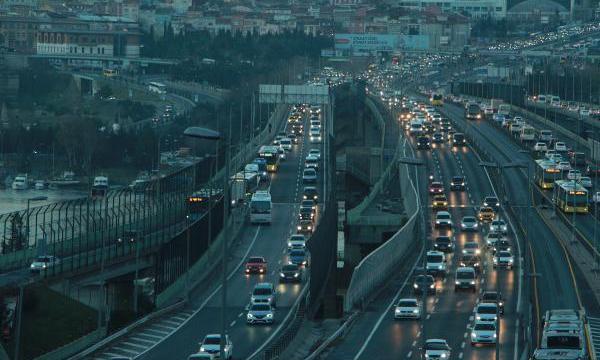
x=451, y=313
x=202, y=316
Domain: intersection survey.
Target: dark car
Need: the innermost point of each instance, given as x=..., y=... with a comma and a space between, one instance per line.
x=458, y=139
x=298, y=257
x=290, y=273
x=457, y=183
x=437, y=137
x=306, y=213
x=256, y=265
x=424, y=282
x=444, y=244
x=446, y=126
x=501, y=245
x=310, y=193
x=492, y=202
x=473, y=261
x=436, y=187
x=305, y=227
x=493, y=297
x=423, y=143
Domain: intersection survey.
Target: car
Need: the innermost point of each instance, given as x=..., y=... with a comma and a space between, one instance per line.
x=465, y=278
x=443, y=219
x=408, y=308
x=473, y=261
x=309, y=175
x=423, y=143
x=436, y=187
x=504, y=259
x=292, y=136
x=493, y=297
x=486, y=311
x=278, y=139
x=297, y=241
x=446, y=126
x=264, y=293
x=574, y=175
x=471, y=248
x=501, y=245
x=256, y=265
x=483, y=332
x=540, y=146
x=43, y=263
x=311, y=162
x=586, y=182
x=306, y=214
x=499, y=225
x=310, y=193
x=435, y=263
x=290, y=273
x=560, y=146
x=305, y=227
x=315, y=152
x=298, y=257
x=492, y=202
x=260, y=314
x=436, y=349
x=437, y=138
x=212, y=345
x=457, y=183
x=424, y=283
x=309, y=204
x=439, y=202
x=458, y=139
x=282, y=154
x=486, y=214
x=314, y=135
x=286, y=144
x=444, y=244
x=469, y=223
x=564, y=166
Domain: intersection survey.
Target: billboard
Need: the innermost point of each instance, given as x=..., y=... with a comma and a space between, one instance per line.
x=380, y=42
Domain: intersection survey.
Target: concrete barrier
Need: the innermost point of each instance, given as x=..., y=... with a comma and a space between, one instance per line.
x=74, y=347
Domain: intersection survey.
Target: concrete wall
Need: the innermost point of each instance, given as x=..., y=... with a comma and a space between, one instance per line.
x=75, y=346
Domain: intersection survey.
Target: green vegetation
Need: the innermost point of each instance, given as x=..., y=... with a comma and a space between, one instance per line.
x=51, y=320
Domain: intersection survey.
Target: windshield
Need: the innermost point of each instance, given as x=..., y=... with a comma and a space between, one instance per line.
x=490, y=296
x=212, y=340
x=261, y=307
x=443, y=216
x=260, y=206
x=485, y=326
x=435, y=258
x=436, y=346
x=465, y=275
x=443, y=240
x=563, y=342
x=469, y=219
x=290, y=268
x=486, y=309
x=297, y=253
x=471, y=245
x=407, y=303
x=473, y=108
x=262, y=291
x=504, y=254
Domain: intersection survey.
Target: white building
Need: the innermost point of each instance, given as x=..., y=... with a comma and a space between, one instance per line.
x=475, y=8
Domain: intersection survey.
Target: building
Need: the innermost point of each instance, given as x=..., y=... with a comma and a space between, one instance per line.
x=473, y=8
x=538, y=11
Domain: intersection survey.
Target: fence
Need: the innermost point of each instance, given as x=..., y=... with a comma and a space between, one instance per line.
x=376, y=267
x=512, y=94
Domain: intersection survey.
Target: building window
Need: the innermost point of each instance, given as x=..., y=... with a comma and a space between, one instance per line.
x=499, y=8
x=102, y=51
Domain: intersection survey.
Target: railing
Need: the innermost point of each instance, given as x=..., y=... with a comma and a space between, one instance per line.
x=376, y=267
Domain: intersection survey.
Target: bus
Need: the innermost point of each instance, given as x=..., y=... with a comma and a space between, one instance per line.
x=157, y=87
x=197, y=202
x=260, y=207
x=570, y=197
x=110, y=72
x=271, y=155
x=437, y=99
x=546, y=173
x=527, y=133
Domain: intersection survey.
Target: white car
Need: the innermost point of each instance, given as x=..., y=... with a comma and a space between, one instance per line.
x=540, y=146
x=492, y=237
x=499, y=225
x=563, y=165
x=560, y=146
x=311, y=161
x=297, y=241
x=443, y=219
x=260, y=314
x=286, y=144
x=469, y=223
x=574, y=175
x=436, y=349
x=43, y=263
x=315, y=135
x=309, y=175
x=584, y=112
x=436, y=263
x=407, y=309
x=471, y=248
x=486, y=312
x=556, y=158
x=549, y=154
x=483, y=332
x=212, y=345
x=504, y=259
x=586, y=182
x=277, y=139
x=315, y=152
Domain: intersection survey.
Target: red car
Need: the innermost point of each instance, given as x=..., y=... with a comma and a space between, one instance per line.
x=436, y=188
x=256, y=265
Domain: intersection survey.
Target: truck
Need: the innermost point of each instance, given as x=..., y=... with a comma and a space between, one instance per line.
x=242, y=185
x=495, y=103
x=504, y=109
x=565, y=330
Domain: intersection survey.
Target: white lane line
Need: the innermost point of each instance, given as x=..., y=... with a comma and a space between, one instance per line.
x=409, y=355
x=240, y=314
x=428, y=317
x=414, y=343
x=462, y=346
x=232, y=323
x=460, y=356
x=465, y=335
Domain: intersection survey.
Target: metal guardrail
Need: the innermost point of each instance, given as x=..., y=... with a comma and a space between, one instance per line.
x=340, y=332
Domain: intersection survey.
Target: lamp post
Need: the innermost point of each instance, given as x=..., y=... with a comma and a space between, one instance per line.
x=208, y=134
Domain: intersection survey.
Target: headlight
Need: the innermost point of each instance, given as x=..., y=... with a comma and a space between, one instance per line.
x=437, y=221
x=457, y=282
x=32, y=266
x=415, y=311
x=282, y=274
x=510, y=261
x=269, y=316
x=299, y=227
x=304, y=262
x=478, y=317
x=440, y=267
x=500, y=303
x=495, y=261
x=44, y=266
x=309, y=227
x=432, y=286
x=415, y=286
x=495, y=335
x=304, y=197
x=472, y=282
x=289, y=244
x=249, y=316
x=443, y=356
x=463, y=225
x=473, y=335
x=296, y=275
x=202, y=349
x=397, y=311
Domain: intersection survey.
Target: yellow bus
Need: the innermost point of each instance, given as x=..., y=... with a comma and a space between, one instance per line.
x=110, y=72
x=437, y=99
x=546, y=173
x=570, y=197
